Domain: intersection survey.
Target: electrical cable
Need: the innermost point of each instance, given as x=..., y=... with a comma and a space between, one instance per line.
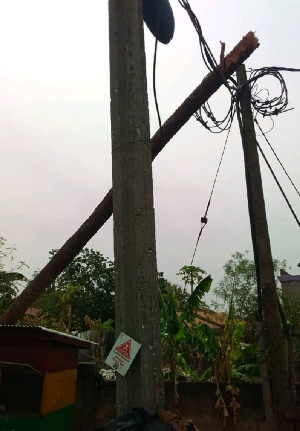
x=266, y=160
x=251, y=212
x=278, y=184
x=270, y=107
x=204, y=219
x=267, y=108
x=154, y=72
x=276, y=156
x=206, y=53
x=154, y=89
x=205, y=114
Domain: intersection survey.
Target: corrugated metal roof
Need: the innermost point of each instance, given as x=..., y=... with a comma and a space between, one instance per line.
x=50, y=334
x=288, y=277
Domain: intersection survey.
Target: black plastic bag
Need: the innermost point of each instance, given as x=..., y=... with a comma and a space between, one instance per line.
x=130, y=421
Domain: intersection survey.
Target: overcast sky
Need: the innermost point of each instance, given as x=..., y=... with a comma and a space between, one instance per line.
x=55, y=131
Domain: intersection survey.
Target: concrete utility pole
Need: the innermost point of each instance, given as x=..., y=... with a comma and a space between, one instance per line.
x=263, y=259
x=137, y=308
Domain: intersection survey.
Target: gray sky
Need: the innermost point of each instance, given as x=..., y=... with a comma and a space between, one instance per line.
x=55, y=130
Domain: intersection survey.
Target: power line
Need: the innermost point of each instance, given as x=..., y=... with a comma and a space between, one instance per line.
x=205, y=114
x=158, y=19
x=278, y=184
x=269, y=106
x=154, y=88
x=276, y=156
x=266, y=107
x=206, y=52
x=204, y=219
x=269, y=166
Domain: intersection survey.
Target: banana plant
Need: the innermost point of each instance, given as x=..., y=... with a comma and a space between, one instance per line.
x=179, y=332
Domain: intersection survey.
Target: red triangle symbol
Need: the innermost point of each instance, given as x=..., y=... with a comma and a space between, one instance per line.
x=124, y=349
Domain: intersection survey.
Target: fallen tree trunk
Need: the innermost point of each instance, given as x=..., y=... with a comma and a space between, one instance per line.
x=210, y=84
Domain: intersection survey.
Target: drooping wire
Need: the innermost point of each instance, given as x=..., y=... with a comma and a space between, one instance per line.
x=154, y=88
x=205, y=114
x=268, y=107
x=266, y=161
x=154, y=71
x=204, y=218
x=276, y=105
x=206, y=53
x=285, y=171
x=216, y=126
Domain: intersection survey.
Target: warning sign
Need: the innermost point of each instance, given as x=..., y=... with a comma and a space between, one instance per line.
x=122, y=354
x=124, y=349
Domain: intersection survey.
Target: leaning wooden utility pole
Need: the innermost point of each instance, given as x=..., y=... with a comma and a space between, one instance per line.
x=263, y=257
x=209, y=85
x=136, y=296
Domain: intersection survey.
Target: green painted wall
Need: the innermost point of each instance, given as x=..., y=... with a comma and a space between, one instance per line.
x=60, y=420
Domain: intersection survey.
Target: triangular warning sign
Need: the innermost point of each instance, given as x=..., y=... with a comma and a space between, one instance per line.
x=124, y=349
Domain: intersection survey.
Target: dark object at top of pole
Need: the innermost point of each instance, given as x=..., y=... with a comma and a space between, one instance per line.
x=159, y=18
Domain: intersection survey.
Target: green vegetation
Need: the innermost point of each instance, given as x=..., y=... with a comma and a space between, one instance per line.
x=181, y=294
x=85, y=287
x=191, y=275
x=181, y=337
x=238, y=289
x=9, y=280
x=82, y=297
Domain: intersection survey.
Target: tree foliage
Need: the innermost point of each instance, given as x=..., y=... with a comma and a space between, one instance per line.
x=9, y=280
x=191, y=275
x=239, y=288
x=165, y=286
x=187, y=344
x=86, y=286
